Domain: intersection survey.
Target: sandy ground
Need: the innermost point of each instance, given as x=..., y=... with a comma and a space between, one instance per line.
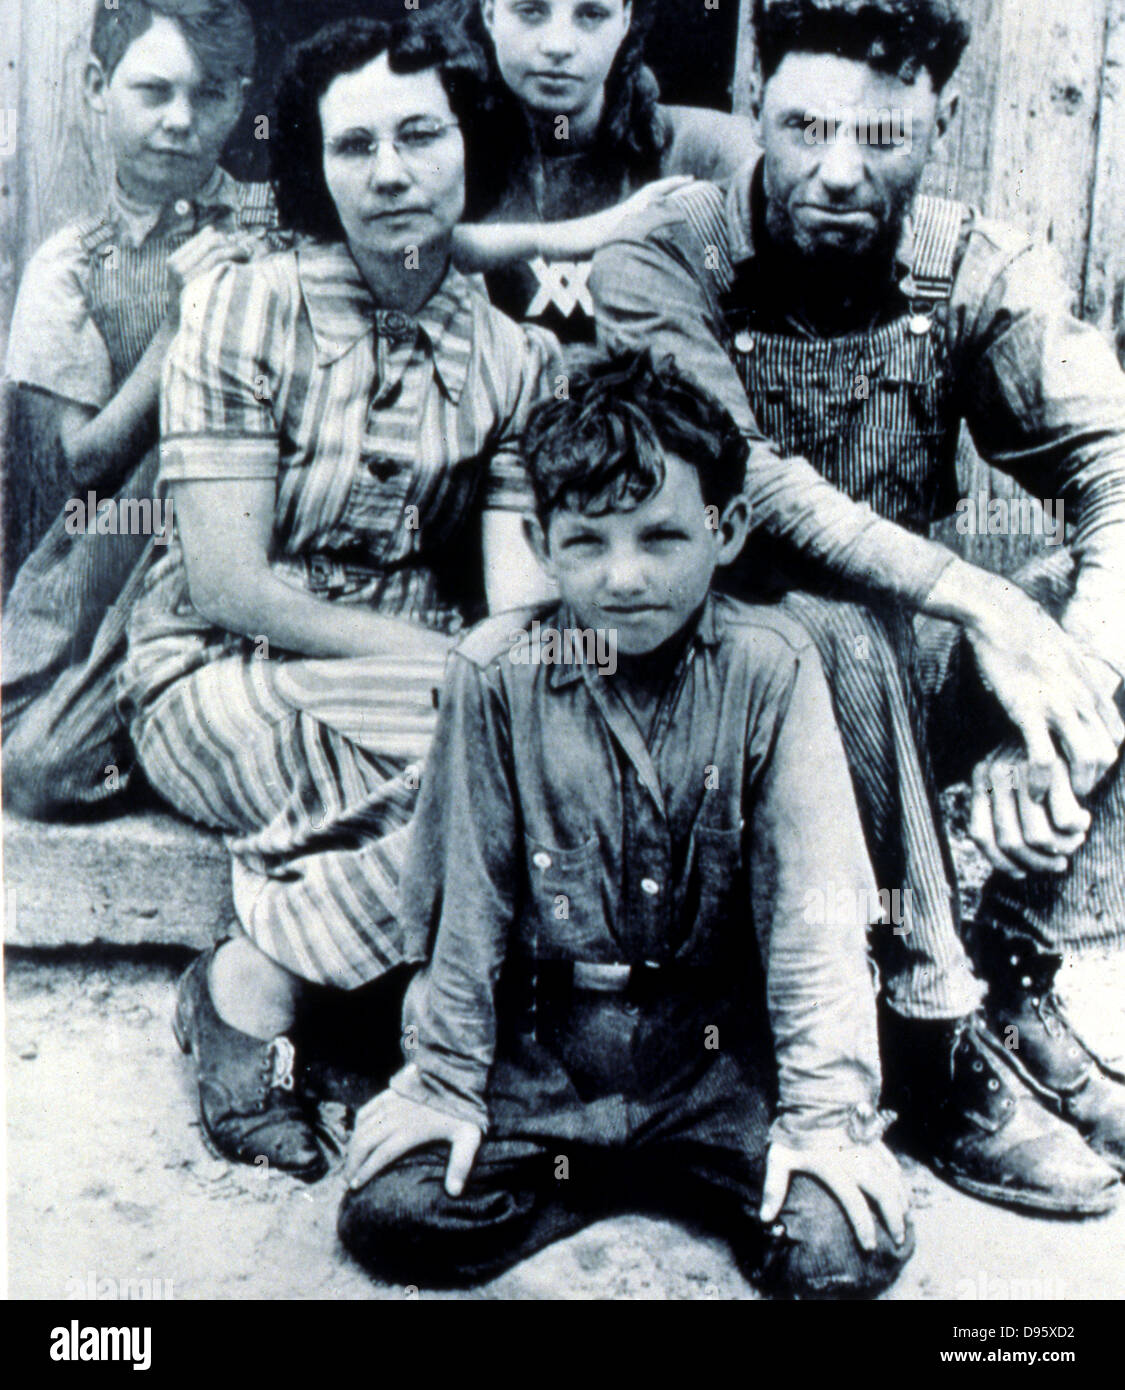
x=109, y=1179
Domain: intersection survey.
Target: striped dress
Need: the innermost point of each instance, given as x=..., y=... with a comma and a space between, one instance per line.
x=386, y=436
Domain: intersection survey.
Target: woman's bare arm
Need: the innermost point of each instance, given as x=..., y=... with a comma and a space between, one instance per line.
x=226, y=531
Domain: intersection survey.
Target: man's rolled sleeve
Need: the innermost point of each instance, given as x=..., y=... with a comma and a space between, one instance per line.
x=457, y=897
x=813, y=892
x=1046, y=405
x=216, y=412
x=648, y=292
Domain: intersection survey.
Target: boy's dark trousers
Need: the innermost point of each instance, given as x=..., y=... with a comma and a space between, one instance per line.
x=653, y=1098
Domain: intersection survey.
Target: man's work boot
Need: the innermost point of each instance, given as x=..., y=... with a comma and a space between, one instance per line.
x=248, y=1099
x=1026, y=1014
x=966, y=1113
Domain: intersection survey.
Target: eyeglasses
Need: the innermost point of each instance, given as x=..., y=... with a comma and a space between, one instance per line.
x=410, y=144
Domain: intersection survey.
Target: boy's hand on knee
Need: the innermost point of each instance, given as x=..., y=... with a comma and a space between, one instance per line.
x=852, y=1172
x=1016, y=832
x=390, y=1126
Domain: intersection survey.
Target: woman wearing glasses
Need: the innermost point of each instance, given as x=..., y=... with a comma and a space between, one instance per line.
x=339, y=434
x=572, y=123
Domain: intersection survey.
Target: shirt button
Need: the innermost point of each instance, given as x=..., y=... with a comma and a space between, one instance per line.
x=182, y=207
x=650, y=886
x=542, y=860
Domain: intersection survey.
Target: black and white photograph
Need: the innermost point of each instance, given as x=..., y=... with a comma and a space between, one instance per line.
x=563, y=659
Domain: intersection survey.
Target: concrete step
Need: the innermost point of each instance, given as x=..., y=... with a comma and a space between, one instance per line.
x=143, y=878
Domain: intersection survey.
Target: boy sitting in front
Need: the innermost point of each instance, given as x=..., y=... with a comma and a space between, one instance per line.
x=626, y=1003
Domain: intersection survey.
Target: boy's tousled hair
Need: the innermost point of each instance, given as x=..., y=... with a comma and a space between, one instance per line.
x=219, y=32
x=897, y=37
x=602, y=447
x=297, y=149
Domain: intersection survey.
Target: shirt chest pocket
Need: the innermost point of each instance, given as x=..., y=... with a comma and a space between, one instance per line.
x=718, y=900
x=565, y=911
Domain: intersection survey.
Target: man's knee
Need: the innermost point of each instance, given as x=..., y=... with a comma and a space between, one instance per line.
x=858, y=647
x=818, y=1256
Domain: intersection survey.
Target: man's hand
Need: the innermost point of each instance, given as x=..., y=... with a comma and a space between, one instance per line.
x=851, y=1172
x=1016, y=833
x=1050, y=689
x=390, y=1126
x=206, y=250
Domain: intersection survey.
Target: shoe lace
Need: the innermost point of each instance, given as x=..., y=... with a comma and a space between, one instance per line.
x=283, y=1056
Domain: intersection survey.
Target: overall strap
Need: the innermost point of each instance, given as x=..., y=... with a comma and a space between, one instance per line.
x=256, y=206
x=257, y=214
x=96, y=232
x=936, y=228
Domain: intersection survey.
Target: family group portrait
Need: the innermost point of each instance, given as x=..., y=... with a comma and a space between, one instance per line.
x=563, y=651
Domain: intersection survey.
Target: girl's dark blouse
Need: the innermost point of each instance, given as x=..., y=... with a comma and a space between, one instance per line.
x=555, y=185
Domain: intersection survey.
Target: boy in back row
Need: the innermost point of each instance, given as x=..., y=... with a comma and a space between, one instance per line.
x=627, y=1002
x=96, y=312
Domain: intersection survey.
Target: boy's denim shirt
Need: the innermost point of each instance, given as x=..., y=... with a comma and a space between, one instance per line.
x=549, y=830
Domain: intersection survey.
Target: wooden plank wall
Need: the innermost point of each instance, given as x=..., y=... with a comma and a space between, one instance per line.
x=1040, y=141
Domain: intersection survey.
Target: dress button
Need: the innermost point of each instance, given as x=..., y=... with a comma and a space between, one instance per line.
x=650, y=886
x=182, y=207
x=541, y=860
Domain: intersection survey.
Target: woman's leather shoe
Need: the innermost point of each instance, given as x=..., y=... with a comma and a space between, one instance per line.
x=248, y=1098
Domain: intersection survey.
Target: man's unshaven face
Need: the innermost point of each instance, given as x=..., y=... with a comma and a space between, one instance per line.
x=168, y=120
x=830, y=195
x=643, y=573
